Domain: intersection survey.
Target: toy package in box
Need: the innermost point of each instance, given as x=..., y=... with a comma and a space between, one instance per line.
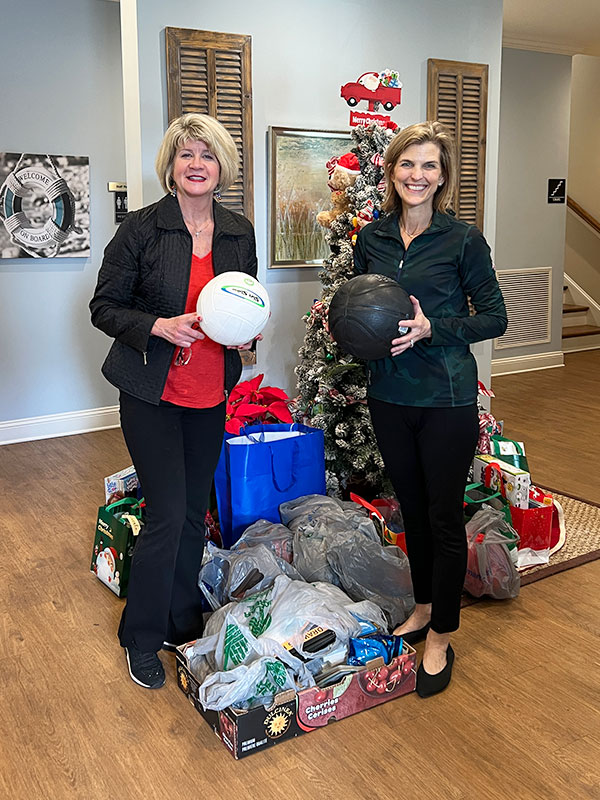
x=124, y=483
x=294, y=713
x=514, y=483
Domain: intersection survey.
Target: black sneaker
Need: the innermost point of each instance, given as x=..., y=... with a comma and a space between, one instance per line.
x=145, y=669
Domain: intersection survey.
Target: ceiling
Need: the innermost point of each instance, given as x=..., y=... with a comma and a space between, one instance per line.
x=554, y=26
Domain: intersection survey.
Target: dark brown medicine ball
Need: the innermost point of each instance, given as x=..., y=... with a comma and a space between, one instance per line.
x=364, y=314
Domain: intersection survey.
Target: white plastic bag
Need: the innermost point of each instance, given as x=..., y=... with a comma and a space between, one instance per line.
x=246, y=686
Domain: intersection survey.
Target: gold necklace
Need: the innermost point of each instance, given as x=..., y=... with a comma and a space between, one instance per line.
x=416, y=233
x=200, y=229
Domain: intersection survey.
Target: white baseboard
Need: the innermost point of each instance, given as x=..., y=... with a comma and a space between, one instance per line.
x=52, y=425
x=508, y=366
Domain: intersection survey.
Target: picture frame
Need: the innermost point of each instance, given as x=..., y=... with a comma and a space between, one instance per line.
x=298, y=191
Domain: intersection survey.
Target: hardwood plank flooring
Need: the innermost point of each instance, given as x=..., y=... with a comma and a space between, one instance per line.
x=556, y=413
x=521, y=719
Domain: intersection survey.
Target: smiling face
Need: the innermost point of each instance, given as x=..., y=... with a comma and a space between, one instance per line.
x=196, y=170
x=418, y=175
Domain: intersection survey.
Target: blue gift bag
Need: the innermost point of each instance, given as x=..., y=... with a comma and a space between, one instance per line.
x=262, y=467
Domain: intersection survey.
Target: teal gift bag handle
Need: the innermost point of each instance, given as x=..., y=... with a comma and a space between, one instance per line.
x=136, y=505
x=470, y=486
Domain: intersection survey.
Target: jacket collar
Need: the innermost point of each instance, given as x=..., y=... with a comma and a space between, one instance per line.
x=168, y=215
x=390, y=228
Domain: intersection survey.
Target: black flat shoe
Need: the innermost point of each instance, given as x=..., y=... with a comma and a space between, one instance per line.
x=428, y=685
x=412, y=637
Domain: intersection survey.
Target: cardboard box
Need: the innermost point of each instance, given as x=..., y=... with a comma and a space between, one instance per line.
x=295, y=713
x=515, y=481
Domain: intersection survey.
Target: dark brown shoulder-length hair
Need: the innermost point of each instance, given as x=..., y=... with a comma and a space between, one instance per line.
x=421, y=133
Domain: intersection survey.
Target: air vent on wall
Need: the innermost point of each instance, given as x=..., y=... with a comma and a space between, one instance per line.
x=528, y=297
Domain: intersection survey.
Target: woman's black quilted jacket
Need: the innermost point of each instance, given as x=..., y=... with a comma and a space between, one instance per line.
x=145, y=275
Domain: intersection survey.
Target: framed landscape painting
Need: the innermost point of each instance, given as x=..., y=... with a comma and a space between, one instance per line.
x=298, y=192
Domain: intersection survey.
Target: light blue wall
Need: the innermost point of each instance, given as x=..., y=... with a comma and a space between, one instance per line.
x=62, y=94
x=302, y=53
x=534, y=146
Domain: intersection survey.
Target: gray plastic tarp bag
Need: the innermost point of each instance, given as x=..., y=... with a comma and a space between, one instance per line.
x=315, y=504
x=273, y=535
x=314, y=519
x=368, y=571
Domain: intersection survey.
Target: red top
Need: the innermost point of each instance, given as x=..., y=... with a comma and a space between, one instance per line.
x=200, y=382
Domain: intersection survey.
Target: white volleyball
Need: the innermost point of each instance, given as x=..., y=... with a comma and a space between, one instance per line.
x=234, y=308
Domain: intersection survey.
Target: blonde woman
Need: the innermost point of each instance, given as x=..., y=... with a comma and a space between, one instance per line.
x=172, y=379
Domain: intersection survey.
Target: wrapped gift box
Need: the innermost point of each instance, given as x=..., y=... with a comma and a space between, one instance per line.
x=515, y=482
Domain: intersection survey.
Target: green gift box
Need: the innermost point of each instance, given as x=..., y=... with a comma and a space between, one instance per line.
x=117, y=527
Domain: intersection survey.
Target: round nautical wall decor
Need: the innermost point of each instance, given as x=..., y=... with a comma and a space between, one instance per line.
x=44, y=206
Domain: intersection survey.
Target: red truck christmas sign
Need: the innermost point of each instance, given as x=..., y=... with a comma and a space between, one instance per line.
x=377, y=88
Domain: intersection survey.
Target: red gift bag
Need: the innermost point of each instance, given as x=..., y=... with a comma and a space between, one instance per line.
x=534, y=526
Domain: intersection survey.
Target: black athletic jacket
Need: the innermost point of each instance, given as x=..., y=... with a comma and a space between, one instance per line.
x=144, y=275
x=446, y=264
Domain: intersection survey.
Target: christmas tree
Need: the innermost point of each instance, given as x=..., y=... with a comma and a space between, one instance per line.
x=332, y=384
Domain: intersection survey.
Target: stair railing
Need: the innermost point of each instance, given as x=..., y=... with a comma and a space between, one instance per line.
x=583, y=214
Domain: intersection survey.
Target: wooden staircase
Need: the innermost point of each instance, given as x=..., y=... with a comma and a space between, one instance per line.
x=578, y=332
x=581, y=324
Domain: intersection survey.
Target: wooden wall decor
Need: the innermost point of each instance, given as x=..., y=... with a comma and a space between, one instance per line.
x=211, y=73
x=457, y=96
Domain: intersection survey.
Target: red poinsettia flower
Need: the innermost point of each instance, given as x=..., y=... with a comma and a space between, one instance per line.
x=250, y=403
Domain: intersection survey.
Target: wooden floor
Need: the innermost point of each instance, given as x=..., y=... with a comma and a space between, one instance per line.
x=521, y=719
x=556, y=413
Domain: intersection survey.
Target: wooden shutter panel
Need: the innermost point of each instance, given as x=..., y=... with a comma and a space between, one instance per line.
x=457, y=96
x=211, y=73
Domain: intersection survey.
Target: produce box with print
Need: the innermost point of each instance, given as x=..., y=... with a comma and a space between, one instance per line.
x=295, y=713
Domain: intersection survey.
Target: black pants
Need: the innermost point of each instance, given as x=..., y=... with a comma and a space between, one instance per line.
x=427, y=453
x=175, y=452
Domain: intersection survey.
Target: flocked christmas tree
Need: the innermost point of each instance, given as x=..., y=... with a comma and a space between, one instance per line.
x=332, y=384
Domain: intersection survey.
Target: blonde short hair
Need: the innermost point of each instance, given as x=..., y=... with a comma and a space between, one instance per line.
x=198, y=128
x=421, y=133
